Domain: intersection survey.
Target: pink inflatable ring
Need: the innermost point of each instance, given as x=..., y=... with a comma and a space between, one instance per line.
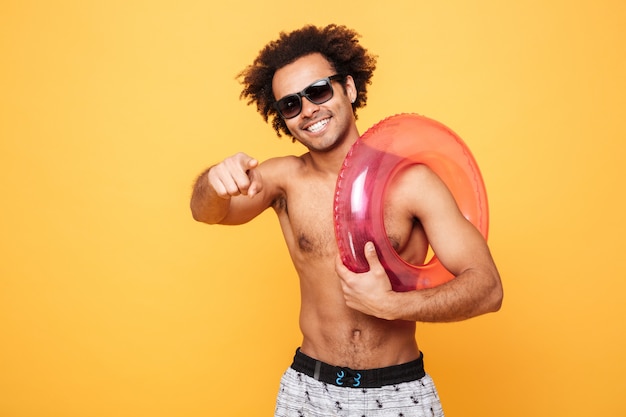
x=371, y=164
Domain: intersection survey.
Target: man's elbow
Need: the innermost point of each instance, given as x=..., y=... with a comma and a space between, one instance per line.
x=202, y=216
x=496, y=296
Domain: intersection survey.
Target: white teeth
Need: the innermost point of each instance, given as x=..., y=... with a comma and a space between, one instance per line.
x=316, y=127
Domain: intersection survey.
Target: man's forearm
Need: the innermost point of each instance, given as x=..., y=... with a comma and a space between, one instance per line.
x=206, y=205
x=462, y=298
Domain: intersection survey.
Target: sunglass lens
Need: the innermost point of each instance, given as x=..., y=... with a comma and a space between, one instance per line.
x=319, y=93
x=289, y=106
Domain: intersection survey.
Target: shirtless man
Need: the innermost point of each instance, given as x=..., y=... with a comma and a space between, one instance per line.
x=358, y=355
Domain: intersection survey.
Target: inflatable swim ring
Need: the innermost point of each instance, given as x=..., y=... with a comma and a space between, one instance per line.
x=371, y=164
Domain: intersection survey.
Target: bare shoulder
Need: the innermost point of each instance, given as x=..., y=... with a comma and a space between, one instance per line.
x=419, y=175
x=420, y=187
x=281, y=164
x=277, y=174
x=277, y=171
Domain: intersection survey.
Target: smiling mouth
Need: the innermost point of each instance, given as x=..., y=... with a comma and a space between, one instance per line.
x=317, y=126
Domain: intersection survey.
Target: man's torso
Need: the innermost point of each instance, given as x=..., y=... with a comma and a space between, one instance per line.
x=333, y=332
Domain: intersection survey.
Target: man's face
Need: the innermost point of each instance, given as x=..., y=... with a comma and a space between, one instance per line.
x=319, y=127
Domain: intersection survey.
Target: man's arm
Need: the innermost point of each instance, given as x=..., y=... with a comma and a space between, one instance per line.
x=474, y=292
x=476, y=288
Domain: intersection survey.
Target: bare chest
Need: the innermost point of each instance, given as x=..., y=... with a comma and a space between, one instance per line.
x=308, y=220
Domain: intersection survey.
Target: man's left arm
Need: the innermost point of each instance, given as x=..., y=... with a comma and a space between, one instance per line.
x=476, y=288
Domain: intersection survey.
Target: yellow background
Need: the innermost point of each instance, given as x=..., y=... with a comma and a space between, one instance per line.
x=114, y=302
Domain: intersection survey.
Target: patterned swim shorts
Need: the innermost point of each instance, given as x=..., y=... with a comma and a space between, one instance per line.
x=310, y=388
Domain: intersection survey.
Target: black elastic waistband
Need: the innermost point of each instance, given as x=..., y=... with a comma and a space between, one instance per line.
x=368, y=378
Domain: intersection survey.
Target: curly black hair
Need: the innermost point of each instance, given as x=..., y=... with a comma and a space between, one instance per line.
x=338, y=44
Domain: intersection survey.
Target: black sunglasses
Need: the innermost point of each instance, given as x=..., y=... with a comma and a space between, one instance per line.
x=317, y=93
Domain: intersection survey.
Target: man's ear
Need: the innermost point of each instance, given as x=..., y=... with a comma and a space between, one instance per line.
x=351, y=89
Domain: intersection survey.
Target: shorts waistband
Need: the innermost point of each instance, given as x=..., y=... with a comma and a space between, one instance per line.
x=367, y=378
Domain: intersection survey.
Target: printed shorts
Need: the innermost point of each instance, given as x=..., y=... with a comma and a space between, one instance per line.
x=303, y=395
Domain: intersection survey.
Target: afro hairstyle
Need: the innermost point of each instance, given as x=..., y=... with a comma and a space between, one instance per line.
x=338, y=44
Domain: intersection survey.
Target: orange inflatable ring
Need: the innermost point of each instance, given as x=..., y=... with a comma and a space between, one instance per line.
x=371, y=164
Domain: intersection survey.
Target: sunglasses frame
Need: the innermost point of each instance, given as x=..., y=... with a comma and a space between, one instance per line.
x=304, y=93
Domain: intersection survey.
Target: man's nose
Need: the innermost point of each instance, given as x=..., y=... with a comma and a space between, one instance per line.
x=308, y=107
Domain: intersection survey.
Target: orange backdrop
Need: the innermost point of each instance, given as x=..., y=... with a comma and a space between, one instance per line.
x=114, y=302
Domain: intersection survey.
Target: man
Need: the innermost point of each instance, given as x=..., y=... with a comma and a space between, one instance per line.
x=359, y=355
